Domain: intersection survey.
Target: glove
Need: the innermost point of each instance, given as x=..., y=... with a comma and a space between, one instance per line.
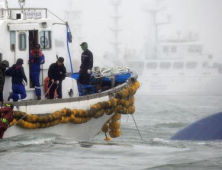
x=52, y=80
x=57, y=82
x=24, y=83
x=88, y=71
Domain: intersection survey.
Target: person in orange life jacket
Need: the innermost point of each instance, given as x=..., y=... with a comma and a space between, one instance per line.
x=56, y=73
x=6, y=116
x=36, y=58
x=18, y=77
x=86, y=64
x=4, y=64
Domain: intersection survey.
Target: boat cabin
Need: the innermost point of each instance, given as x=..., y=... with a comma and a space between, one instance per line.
x=20, y=29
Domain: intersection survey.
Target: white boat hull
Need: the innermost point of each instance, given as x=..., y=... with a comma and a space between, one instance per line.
x=80, y=118
x=84, y=131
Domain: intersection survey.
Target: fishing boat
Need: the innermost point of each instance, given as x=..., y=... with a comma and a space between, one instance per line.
x=84, y=109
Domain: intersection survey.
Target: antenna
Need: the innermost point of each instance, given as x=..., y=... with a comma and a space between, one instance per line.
x=6, y=4
x=116, y=30
x=21, y=3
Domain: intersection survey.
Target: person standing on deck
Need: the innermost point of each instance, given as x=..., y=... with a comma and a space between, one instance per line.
x=6, y=116
x=19, y=81
x=36, y=58
x=4, y=64
x=86, y=64
x=56, y=74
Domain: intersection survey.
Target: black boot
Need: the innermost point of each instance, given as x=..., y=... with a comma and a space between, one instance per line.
x=38, y=97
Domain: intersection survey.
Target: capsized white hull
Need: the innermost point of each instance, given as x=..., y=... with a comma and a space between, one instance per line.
x=181, y=85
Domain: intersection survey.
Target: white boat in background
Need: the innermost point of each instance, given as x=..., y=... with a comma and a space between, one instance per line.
x=75, y=116
x=171, y=66
x=179, y=67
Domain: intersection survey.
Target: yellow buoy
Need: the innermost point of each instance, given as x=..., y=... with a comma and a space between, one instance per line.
x=108, y=138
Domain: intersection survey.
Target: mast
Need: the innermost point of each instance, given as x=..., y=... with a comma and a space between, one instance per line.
x=6, y=4
x=155, y=24
x=74, y=15
x=116, y=29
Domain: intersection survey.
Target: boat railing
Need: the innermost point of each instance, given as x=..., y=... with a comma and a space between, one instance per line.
x=73, y=99
x=110, y=92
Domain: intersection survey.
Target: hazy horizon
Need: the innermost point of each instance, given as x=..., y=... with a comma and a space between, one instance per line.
x=198, y=16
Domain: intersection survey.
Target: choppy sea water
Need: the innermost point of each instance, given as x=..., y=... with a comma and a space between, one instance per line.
x=157, y=117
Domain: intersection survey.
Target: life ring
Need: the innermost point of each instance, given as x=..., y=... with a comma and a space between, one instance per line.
x=46, y=88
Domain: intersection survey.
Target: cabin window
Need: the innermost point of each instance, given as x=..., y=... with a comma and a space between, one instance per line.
x=198, y=49
x=173, y=49
x=165, y=65
x=191, y=65
x=155, y=49
x=151, y=65
x=178, y=65
x=190, y=49
x=205, y=64
x=216, y=65
x=195, y=49
x=12, y=40
x=45, y=39
x=165, y=49
x=22, y=41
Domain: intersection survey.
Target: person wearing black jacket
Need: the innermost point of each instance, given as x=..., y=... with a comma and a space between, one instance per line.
x=18, y=77
x=56, y=73
x=86, y=64
x=3, y=65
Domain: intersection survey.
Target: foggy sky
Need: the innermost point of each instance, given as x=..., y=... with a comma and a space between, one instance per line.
x=201, y=16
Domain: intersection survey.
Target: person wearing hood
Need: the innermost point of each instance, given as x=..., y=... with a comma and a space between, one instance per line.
x=86, y=65
x=36, y=59
x=3, y=65
x=19, y=81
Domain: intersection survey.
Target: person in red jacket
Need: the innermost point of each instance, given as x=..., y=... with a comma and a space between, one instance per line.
x=6, y=116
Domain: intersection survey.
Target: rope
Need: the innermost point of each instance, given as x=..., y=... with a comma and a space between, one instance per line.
x=56, y=16
x=68, y=30
x=108, y=72
x=36, y=105
x=137, y=128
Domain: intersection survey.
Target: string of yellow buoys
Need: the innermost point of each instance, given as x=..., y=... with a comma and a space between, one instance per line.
x=122, y=103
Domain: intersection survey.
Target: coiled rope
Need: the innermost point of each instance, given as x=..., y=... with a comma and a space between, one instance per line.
x=108, y=72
